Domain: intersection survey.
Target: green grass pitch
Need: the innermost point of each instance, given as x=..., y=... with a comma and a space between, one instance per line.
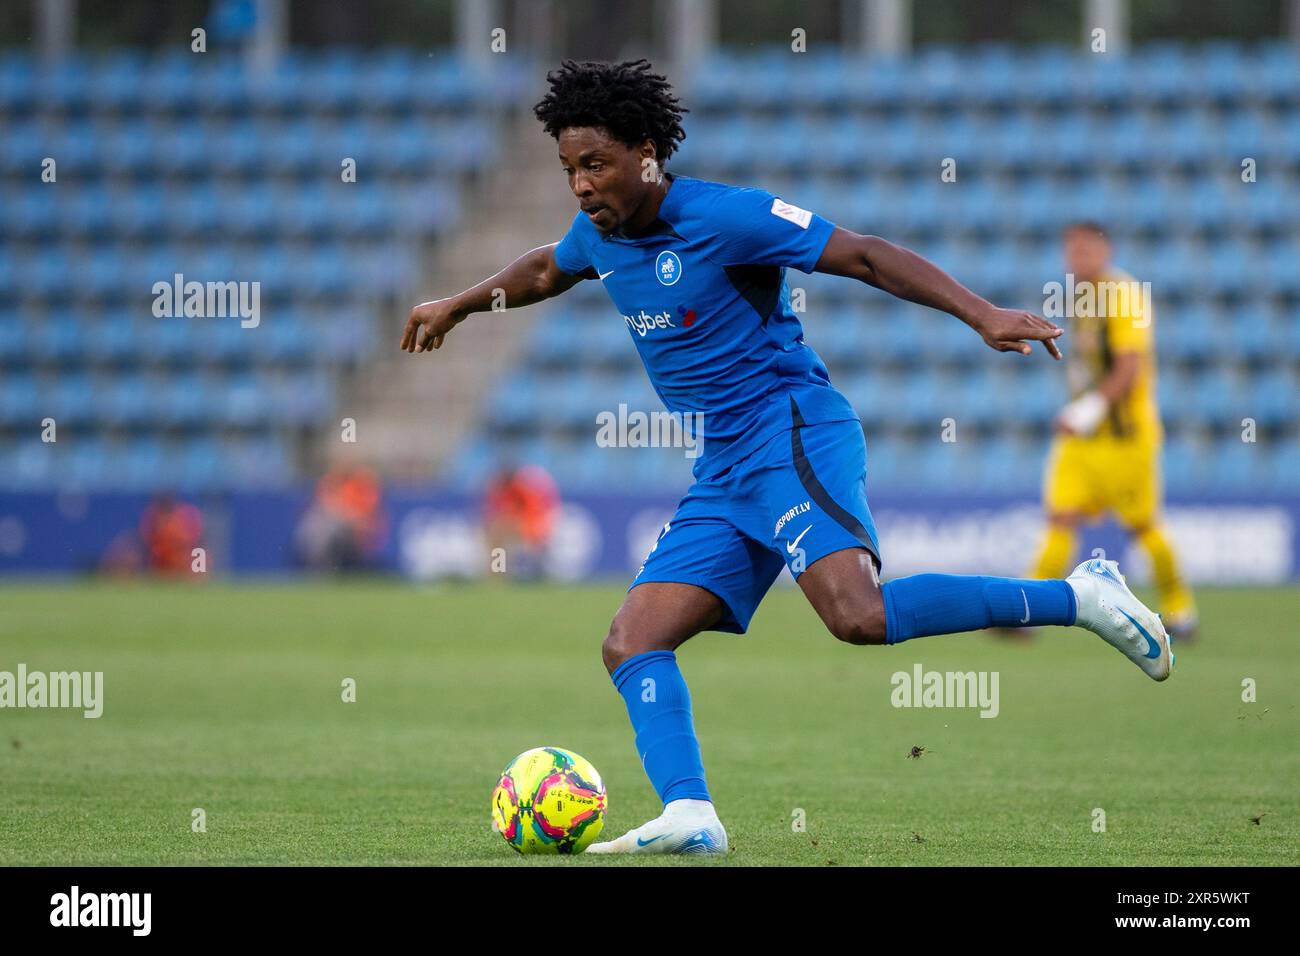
x=228, y=698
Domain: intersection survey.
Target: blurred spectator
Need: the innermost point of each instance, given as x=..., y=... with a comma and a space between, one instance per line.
x=519, y=511
x=170, y=530
x=122, y=557
x=344, y=527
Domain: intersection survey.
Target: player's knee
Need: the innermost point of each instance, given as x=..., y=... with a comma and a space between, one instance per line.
x=617, y=646
x=858, y=622
x=626, y=640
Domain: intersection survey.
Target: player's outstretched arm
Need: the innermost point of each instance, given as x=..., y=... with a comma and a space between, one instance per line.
x=532, y=277
x=906, y=275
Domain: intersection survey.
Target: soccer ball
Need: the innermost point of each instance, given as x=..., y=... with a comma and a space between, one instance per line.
x=549, y=800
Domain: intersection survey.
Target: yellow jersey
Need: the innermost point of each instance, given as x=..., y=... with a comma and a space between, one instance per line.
x=1111, y=316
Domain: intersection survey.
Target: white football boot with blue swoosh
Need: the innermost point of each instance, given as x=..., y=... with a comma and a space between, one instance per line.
x=1111, y=611
x=686, y=826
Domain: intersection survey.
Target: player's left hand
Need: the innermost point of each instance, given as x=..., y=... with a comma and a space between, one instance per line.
x=1011, y=330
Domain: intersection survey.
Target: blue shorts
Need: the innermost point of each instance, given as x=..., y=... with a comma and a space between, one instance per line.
x=799, y=497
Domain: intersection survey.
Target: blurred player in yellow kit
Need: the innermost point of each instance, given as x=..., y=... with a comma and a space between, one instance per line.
x=1106, y=455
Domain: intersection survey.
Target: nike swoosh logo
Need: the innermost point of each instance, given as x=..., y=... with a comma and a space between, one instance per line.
x=603, y=274
x=793, y=545
x=1025, y=619
x=640, y=842
x=1099, y=568
x=1153, y=648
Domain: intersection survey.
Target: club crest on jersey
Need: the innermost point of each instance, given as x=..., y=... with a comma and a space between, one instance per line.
x=668, y=268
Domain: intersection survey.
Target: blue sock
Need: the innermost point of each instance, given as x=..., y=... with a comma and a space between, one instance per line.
x=659, y=706
x=950, y=603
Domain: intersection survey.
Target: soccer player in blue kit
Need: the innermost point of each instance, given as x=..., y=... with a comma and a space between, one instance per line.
x=696, y=269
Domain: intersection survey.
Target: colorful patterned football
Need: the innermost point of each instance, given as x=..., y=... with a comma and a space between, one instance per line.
x=549, y=800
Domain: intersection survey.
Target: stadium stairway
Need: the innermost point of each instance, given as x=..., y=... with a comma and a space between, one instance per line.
x=414, y=412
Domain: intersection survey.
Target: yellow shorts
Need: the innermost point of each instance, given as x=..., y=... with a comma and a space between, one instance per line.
x=1092, y=476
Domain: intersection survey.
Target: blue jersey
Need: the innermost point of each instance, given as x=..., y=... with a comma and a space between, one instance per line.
x=703, y=294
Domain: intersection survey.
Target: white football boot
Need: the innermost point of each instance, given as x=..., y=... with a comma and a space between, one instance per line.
x=1111, y=611
x=685, y=826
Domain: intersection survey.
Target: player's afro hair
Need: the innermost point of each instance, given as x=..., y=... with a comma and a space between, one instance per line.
x=631, y=102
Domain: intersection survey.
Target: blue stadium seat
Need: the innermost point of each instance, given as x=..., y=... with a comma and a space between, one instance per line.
x=196, y=465
x=1281, y=466
x=185, y=400
x=1272, y=397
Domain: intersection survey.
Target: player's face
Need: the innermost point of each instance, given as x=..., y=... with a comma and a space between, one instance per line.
x=604, y=174
x=1086, y=254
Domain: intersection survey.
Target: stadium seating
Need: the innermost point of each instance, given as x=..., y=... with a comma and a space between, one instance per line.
x=196, y=164
x=1151, y=145
x=180, y=163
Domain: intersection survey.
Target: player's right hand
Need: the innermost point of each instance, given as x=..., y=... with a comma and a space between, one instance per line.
x=1012, y=330
x=429, y=324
